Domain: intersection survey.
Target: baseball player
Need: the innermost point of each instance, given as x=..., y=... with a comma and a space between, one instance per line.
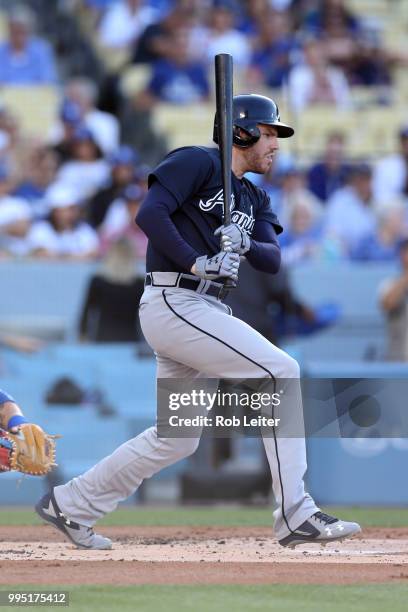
x=24, y=446
x=194, y=334
x=11, y=415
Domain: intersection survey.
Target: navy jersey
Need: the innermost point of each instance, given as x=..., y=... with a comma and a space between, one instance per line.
x=193, y=176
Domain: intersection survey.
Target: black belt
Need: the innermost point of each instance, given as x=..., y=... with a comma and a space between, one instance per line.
x=213, y=289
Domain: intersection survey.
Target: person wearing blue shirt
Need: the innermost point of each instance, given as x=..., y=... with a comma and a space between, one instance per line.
x=178, y=79
x=275, y=49
x=383, y=243
x=24, y=58
x=332, y=171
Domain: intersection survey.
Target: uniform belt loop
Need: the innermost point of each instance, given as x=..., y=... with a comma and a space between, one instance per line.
x=203, y=286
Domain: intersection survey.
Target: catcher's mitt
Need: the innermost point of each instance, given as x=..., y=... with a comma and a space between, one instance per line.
x=30, y=450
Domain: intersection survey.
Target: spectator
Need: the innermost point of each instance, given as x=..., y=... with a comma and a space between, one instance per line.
x=110, y=309
x=141, y=176
x=290, y=182
x=328, y=175
x=120, y=221
x=331, y=16
x=301, y=237
x=394, y=303
x=351, y=210
x=178, y=79
x=15, y=223
x=391, y=173
x=40, y=173
x=9, y=133
x=13, y=143
x=87, y=171
x=267, y=303
x=371, y=64
x=61, y=135
x=63, y=234
x=274, y=51
x=7, y=184
x=96, y=5
x=315, y=82
x=123, y=23
x=123, y=168
x=351, y=45
x=156, y=41
x=104, y=126
x=24, y=58
x=224, y=37
x=383, y=244
x=254, y=11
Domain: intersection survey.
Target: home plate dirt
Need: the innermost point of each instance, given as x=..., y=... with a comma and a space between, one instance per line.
x=199, y=555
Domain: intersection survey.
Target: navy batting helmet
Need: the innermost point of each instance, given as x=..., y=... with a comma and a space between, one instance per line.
x=247, y=111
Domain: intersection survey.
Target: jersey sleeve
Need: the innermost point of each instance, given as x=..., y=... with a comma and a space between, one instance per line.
x=183, y=172
x=265, y=213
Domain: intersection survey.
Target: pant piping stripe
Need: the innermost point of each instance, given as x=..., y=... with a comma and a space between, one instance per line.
x=262, y=368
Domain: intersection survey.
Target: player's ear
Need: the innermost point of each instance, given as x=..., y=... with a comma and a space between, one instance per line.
x=242, y=136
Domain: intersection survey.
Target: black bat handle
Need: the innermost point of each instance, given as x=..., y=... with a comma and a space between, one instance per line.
x=223, y=86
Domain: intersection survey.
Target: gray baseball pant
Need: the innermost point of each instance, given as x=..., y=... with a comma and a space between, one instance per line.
x=195, y=335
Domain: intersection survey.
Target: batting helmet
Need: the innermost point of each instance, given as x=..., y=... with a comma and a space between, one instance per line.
x=247, y=111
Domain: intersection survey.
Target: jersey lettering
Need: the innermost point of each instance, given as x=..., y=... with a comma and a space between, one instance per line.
x=245, y=221
x=217, y=199
x=193, y=175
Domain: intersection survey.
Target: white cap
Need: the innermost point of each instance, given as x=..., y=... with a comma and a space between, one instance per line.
x=61, y=196
x=13, y=210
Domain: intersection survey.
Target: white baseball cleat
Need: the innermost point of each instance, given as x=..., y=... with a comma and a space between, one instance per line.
x=80, y=535
x=320, y=529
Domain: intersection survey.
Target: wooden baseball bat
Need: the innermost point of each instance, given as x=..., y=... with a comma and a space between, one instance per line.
x=223, y=96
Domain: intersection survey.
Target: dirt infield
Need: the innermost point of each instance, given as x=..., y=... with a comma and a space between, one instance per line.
x=199, y=555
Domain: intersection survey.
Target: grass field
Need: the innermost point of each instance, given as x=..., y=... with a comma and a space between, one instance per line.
x=279, y=598
x=215, y=515
x=240, y=598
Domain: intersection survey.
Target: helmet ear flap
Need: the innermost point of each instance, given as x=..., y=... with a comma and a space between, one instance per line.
x=243, y=137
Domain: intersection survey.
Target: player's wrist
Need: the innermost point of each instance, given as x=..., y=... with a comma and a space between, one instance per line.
x=246, y=244
x=8, y=409
x=16, y=421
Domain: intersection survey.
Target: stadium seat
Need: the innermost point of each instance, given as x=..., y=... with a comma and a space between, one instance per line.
x=196, y=121
x=35, y=107
x=3, y=26
x=313, y=125
x=370, y=7
x=135, y=79
x=401, y=86
x=378, y=128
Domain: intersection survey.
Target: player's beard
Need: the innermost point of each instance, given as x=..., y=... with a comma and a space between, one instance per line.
x=257, y=162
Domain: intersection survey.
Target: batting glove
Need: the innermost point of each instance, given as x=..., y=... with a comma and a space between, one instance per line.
x=233, y=238
x=222, y=264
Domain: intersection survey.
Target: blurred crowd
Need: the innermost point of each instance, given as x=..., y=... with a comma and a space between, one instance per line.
x=316, y=49
x=335, y=209
x=76, y=191
x=78, y=194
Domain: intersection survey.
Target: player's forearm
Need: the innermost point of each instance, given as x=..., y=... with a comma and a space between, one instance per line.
x=8, y=409
x=155, y=220
x=265, y=252
x=264, y=256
